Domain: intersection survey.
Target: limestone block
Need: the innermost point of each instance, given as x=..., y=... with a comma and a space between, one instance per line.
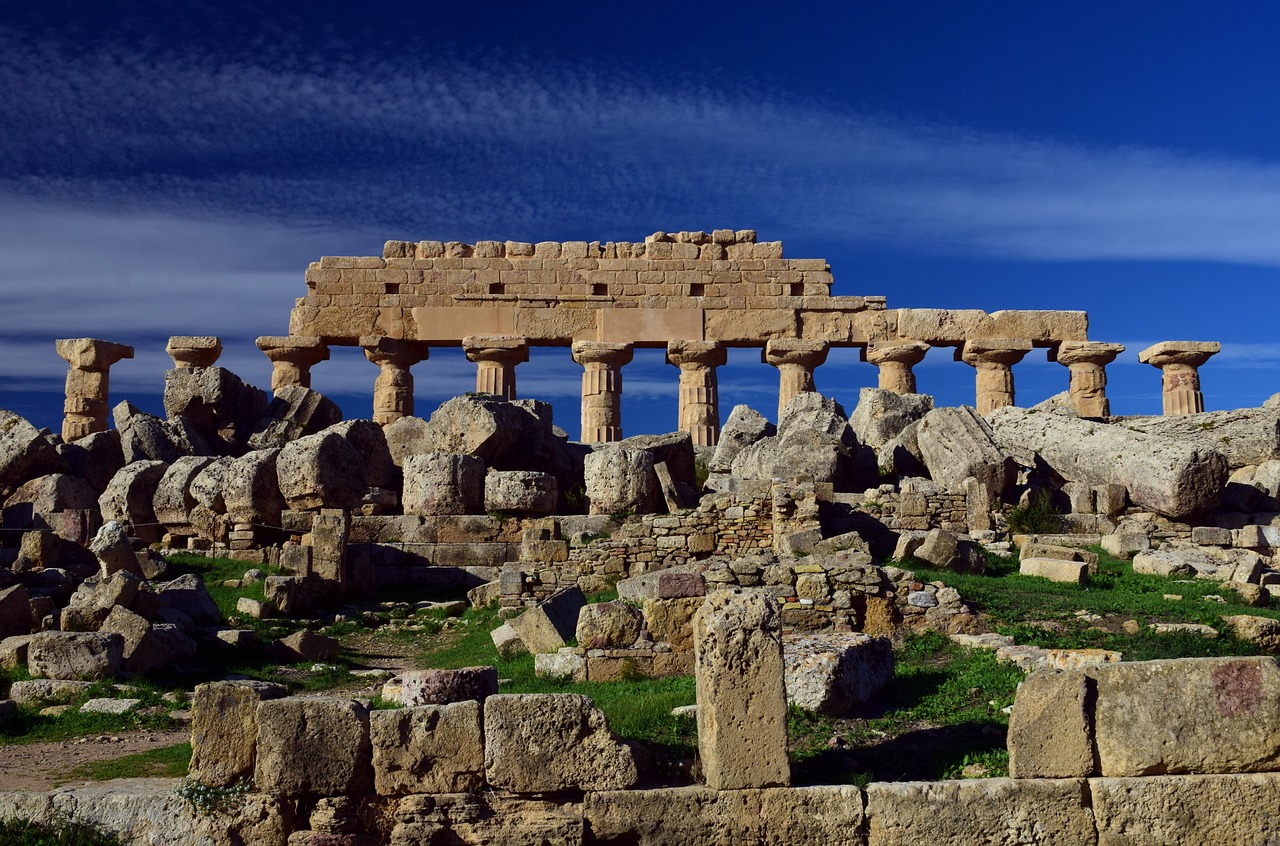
x=675, y=585
x=36, y=503
x=1202, y=562
x=145, y=437
x=674, y=449
x=405, y=437
x=831, y=673
x=13, y=651
x=742, y=705
x=251, y=488
x=551, y=623
x=45, y=691
x=147, y=647
x=130, y=494
x=173, y=501
x=1245, y=436
x=541, y=743
x=312, y=746
x=25, y=453
x=522, y=492
x=427, y=749
x=15, y=611
x=1051, y=726
x=369, y=441
x=487, y=819
x=955, y=443
x=1263, y=632
x=1055, y=570
x=224, y=729
x=1225, y=810
x=482, y=425
x=1110, y=500
x=114, y=550
x=443, y=483
x=620, y=481
x=442, y=687
x=321, y=471
x=567, y=665
x=95, y=458
x=882, y=415
x=1125, y=544
x=671, y=620
x=607, y=625
x=293, y=412
x=1046, y=812
x=216, y=403
x=304, y=645
x=96, y=596
x=814, y=442
x=507, y=641
x=1161, y=474
x=743, y=428
x=1189, y=715
x=74, y=655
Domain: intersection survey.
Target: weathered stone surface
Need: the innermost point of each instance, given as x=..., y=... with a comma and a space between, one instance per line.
x=508, y=641
x=96, y=596
x=541, y=743
x=15, y=611
x=224, y=729
x=831, y=673
x=405, y=437
x=620, y=481
x=490, y=818
x=130, y=494
x=742, y=704
x=1045, y=812
x=1225, y=810
x=74, y=655
x=744, y=427
x=1055, y=570
x=1228, y=565
x=44, y=691
x=427, y=749
x=251, y=488
x=173, y=501
x=606, y=625
x=25, y=453
x=1163, y=475
x=1263, y=632
x=521, y=492
x=1051, y=726
x=482, y=425
x=680, y=585
x=114, y=550
x=320, y=471
x=95, y=459
x=145, y=437
x=312, y=746
x=568, y=665
x=188, y=595
x=443, y=483
x=216, y=403
x=13, y=651
x=442, y=687
x=551, y=623
x=147, y=647
x=1189, y=715
x=956, y=443
x=370, y=443
x=35, y=504
x=293, y=413
x=882, y=415
x=675, y=449
x=1245, y=436
x=1125, y=544
x=304, y=645
x=814, y=443
x=699, y=815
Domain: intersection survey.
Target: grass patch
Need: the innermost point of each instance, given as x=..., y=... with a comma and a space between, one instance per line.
x=168, y=762
x=57, y=832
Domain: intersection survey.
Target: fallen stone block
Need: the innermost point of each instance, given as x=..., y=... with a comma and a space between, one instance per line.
x=312, y=746
x=1125, y=545
x=75, y=655
x=508, y=641
x=1263, y=632
x=109, y=706
x=44, y=691
x=1055, y=570
x=608, y=625
x=567, y=665
x=443, y=687
x=831, y=673
x=427, y=749
x=956, y=443
x=551, y=623
x=304, y=646
x=15, y=611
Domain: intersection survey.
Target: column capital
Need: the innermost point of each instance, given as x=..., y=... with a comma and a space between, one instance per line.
x=302, y=350
x=1189, y=353
x=1000, y=351
x=1085, y=352
x=808, y=354
x=504, y=349
x=684, y=354
x=380, y=350
x=91, y=353
x=601, y=352
x=909, y=353
x=191, y=351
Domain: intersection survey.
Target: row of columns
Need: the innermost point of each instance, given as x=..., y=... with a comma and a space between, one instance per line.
x=496, y=357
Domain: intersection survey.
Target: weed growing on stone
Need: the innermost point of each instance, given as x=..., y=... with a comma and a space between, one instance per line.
x=208, y=799
x=1039, y=516
x=55, y=832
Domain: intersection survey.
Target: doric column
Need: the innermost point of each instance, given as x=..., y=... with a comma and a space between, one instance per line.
x=994, y=361
x=699, y=408
x=1179, y=360
x=795, y=360
x=191, y=351
x=601, y=389
x=393, y=389
x=895, y=361
x=1087, y=361
x=496, y=357
x=86, y=406
x=292, y=357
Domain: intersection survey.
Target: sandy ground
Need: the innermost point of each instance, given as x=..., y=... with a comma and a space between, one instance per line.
x=43, y=766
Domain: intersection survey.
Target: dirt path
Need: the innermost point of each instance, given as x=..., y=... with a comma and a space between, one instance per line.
x=43, y=766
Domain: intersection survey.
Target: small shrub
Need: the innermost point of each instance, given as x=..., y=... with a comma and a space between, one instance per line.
x=700, y=474
x=208, y=799
x=1037, y=517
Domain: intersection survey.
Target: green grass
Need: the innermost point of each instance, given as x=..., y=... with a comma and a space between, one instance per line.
x=58, y=832
x=28, y=725
x=214, y=571
x=167, y=762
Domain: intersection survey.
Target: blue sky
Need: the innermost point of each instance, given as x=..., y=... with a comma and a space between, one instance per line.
x=172, y=168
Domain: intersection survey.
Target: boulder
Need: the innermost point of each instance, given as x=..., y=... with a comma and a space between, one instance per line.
x=188, y=595
x=744, y=427
x=442, y=687
x=481, y=425
x=882, y=415
x=113, y=549
x=507, y=641
x=251, y=488
x=608, y=625
x=956, y=443
x=543, y=743
x=1164, y=475
x=13, y=651
x=321, y=471
x=521, y=492
x=443, y=483
x=173, y=500
x=312, y=746
x=304, y=645
x=901, y=456
x=224, y=729
x=147, y=647
x=551, y=623
x=427, y=749
x=75, y=655
x=215, y=403
x=94, y=458
x=25, y=453
x=206, y=486
x=742, y=703
x=620, y=481
x=831, y=673
x=130, y=495
x=293, y=412
x=814, y=443
x=97, y=595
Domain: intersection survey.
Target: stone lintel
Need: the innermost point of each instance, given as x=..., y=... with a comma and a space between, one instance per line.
x=1190, y=353
x=1082, y=352
x=191, y=351
x=650, y=325
x=91, y=353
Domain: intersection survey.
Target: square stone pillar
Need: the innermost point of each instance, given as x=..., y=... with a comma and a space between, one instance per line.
x=1087, y=361
x=742, y=696
x=699, y=408
x=1180, y=361
x=393, y=389
x=796, y=361
x=88, y=381
x=895, y=361
x=496, y=357
x=292, y=357
x=192, y=351
x=994, y=361
x=601, y=388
